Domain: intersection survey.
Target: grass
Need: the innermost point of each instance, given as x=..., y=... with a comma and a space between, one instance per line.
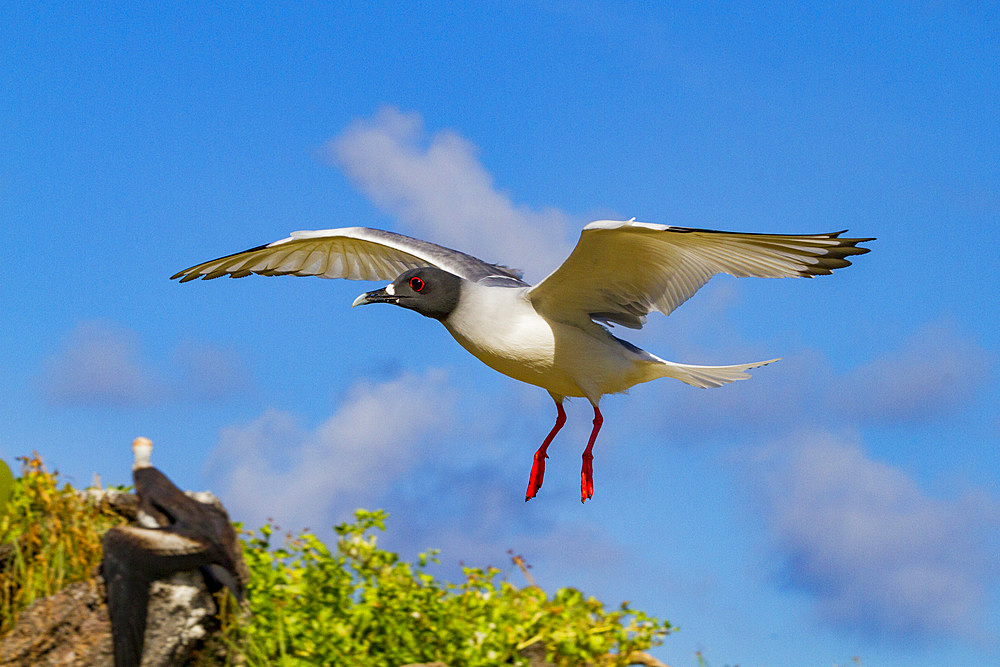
x=50, y=537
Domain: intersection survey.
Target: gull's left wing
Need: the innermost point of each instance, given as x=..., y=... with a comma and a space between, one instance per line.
x=621, y=271
x=355, y=253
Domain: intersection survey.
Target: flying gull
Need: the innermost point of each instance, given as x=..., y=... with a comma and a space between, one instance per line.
x=554, y=334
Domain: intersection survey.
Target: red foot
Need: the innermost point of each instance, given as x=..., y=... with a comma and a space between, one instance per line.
x=537, y=474
x=587, y=473
x=587, y=478
x=538, y=464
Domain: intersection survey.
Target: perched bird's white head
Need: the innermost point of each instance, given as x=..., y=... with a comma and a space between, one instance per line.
x=142, y=449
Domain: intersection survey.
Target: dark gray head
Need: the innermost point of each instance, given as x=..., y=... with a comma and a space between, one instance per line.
x=428, y=290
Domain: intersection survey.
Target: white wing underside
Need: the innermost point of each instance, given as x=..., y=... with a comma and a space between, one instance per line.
x=621, y=271
x=355, y=253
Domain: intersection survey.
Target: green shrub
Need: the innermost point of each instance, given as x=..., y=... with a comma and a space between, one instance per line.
x=362, y=605
x=50, y=538
x=310, y=605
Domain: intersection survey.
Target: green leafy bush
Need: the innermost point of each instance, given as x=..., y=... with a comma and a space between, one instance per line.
x=309, y=605
x=360, y=604
x=50, y=537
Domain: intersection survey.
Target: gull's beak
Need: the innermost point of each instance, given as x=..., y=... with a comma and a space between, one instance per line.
x=377, y=296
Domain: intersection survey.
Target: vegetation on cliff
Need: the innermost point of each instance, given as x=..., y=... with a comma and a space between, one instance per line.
x=310, y=604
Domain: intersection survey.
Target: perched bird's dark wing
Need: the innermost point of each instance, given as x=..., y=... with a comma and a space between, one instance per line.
x=159, y=497
x=128, y=600
x=356, y=253
x=205, y=523
x=228, y=567
x=621, y=271
x=133, y=558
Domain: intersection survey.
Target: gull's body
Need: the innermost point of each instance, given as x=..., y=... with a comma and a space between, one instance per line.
x=554, y=334
x=501, y=328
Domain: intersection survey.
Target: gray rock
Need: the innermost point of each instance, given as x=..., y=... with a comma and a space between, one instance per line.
x=180, y=609
x=72, y=626
x=68, y=628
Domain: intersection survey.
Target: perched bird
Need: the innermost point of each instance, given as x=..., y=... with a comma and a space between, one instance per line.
x=552, y=334
x=187, y=535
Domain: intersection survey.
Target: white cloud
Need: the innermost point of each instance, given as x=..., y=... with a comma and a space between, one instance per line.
x=101, y=364
x=451, y=477
x=874, y=551
x=436, y=186
x=877, y=553
x=209, y=372
x=933, y=372
x=275, y=467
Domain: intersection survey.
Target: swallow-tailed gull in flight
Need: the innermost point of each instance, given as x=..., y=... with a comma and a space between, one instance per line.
x=552, y=334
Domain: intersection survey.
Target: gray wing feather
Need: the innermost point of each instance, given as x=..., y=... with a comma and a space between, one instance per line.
x=355, y=253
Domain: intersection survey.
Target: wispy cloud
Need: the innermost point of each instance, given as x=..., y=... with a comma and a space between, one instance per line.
x=101, y=364
x=437, y=188
x=935, y=371
x=420, y=447
x=878, y=554
x=276, y=467
x=208, y=372
x=864, y=539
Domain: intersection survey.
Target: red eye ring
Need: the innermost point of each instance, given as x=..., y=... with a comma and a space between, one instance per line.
x=416, y=284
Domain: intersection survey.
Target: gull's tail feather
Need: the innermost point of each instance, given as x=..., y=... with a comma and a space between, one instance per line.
x=708, y=376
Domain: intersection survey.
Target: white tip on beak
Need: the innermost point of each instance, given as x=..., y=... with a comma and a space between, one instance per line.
x=381, y=294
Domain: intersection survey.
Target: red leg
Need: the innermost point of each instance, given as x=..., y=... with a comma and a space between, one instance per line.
x=538, y=464
x=587, y=473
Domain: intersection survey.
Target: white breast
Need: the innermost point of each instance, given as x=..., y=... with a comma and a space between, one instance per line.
x=500, y=327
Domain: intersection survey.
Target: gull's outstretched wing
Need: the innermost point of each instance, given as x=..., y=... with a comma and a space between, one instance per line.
x=356, y=253
x=621, y=271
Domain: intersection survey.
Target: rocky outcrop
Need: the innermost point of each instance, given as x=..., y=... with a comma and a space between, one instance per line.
x=72, y=627
x=68, y=628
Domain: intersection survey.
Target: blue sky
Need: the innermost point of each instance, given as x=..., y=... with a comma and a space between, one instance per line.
x=841, y=503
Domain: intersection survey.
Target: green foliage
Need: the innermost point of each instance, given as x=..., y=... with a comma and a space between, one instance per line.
x=6, y=484
x=50, y=538
x=309, y=605
x=362, y=605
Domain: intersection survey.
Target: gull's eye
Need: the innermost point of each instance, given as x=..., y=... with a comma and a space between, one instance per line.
x=416, y=284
